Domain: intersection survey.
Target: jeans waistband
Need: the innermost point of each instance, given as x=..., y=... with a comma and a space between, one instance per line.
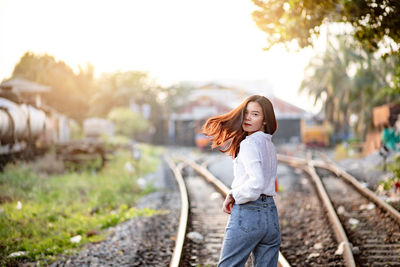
x=264, y=197
x=262, y=200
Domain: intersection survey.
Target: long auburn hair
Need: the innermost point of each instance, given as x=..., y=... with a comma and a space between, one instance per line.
x=226, y=132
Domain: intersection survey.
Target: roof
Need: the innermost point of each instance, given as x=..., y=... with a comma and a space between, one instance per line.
x=213, y=99
x=213, y=85
x=21, y=85
x=285, y=110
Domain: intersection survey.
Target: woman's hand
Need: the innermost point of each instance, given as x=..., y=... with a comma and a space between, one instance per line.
x=228, y=203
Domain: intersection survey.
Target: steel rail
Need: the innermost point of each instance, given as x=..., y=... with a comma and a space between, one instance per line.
x=181, y=233
x=224, y=190
x=337, y=225
x=357, y=185
x=293, y=161
x=220, y=186
x=307, y=166
x=333, y=167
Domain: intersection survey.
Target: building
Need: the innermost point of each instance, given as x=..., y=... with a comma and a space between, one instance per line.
x=289, y=119
x=27, y=90
x=213, y=99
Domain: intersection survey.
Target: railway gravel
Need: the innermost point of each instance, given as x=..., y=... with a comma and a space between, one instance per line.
x=374, y=234
x=207, y=223
x=368, y=169
x=307, y=237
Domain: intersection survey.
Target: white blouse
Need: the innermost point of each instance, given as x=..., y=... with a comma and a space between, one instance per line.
x=254, y=168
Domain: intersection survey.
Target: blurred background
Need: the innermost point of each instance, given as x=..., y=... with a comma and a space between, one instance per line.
x=151, y=59
x=81, y=79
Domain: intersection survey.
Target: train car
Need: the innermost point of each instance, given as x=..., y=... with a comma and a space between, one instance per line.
x=202, y=141
x=315, y=132
x=26, y=130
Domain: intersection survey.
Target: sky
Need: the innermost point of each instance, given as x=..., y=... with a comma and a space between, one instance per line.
x=174, y=41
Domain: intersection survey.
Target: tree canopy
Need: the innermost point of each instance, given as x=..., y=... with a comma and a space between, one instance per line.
x=69, y=92
x=127, y=122
x=81, y=95
x=284, y=21
x=350, y=81
x=122, y=89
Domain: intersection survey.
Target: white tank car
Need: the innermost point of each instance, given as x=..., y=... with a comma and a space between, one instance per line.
x=36, y=119
x=13, y=122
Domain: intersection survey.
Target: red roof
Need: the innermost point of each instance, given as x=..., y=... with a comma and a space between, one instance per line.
x=284, y=107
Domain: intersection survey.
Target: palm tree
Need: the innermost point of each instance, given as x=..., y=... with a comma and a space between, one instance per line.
x=374, y=75
x=329, y=81
x=342, y=93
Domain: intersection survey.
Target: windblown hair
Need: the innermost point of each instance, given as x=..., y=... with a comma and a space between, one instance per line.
x=226, y=132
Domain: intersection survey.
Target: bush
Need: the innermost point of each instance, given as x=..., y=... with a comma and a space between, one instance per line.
x=393, y=182
x=127, y=122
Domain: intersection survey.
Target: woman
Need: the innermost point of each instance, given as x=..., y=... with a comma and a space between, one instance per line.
x=245, y=133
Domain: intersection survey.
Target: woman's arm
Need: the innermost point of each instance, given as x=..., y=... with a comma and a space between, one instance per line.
x=228, y=203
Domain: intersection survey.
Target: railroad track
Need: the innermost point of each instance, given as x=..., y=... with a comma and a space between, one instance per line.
x=367, y=228
x=308, y=239
x=201, y=230
x=373, y=232
x=202, y=226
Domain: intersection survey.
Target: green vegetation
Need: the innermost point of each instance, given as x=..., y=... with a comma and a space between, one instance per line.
x=350, y=82
x=81, y=95
x=395, y=167
x=76, y=130
x=373, y=22
x=40, y=213
x=356, y=72
x=127, y=122
x=69, y=91
x=393, y=182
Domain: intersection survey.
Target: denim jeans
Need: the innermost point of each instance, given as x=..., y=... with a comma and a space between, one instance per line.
x=252, y=227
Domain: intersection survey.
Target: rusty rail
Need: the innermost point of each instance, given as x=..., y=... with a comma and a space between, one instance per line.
x=180, y=237
x=357, y=185
x=308, y=167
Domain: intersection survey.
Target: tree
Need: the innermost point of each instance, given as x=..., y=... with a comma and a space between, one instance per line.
x=284, y=21
x=349, y=80
x=172, y=98
x=370, y=85
x=123, y=89
x=127, y=122
x=69, y=92
x=137, y=90
x=328, y=80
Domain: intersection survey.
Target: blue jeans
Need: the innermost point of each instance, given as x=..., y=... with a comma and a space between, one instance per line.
x=252, y=227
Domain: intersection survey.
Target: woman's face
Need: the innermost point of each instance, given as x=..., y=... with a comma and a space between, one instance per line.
x=253, y=120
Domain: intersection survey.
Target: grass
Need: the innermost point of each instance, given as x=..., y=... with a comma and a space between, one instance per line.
x=40, y=213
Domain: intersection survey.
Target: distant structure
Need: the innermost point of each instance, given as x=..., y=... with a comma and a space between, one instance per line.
x=28, y=90
x=205, y=101
x=20, y=90
x=385, y=114
x=213, y=99
x=289, y=119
